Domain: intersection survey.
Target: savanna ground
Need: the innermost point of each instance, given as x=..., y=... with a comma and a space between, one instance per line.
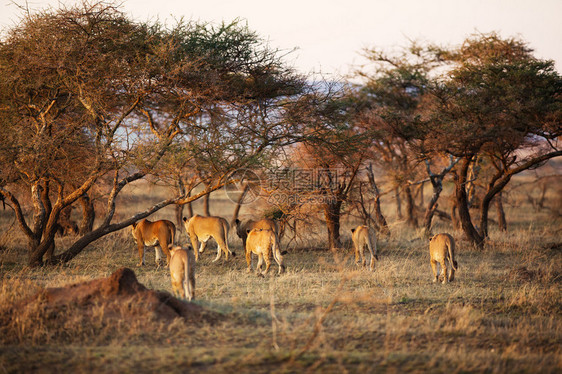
x=502, y=314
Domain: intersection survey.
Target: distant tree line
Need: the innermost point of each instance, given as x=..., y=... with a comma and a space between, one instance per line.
x=91, y=101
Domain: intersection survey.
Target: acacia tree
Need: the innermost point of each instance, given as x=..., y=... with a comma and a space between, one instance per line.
x=501, y=103
x=392, y=101
x=85, y=92
x=329, y=155
x=67, y=86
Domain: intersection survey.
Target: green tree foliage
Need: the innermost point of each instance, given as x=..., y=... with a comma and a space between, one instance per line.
x=488, y=101
x=392, y=102
x=90, y=98
x=501, y=103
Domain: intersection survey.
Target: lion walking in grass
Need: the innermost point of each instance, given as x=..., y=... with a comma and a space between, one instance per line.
x=442, y=252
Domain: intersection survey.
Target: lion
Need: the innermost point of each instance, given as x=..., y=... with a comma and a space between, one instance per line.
x=441, y=251
x=243, y=227
x=201, y=229
x=152, y=234
x=264, y=243
x=182, y=272
x=363, y=236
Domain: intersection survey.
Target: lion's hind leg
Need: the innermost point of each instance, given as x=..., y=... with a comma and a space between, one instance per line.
x=189, y=277
x=141, y=254
x=223, y=247
x=203, y=245
x=249, y=259
x=444, y=271
x=356, y=248
x=267, y=259
x=258, y=266
x=362, y=254
x=451, y=274
x=435, y=270
x=163, y=248
x=176, y=288
x=219, y=254
x=158, y=256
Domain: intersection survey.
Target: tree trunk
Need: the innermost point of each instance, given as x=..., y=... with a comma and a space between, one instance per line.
x=66, y=226
x=421, y=189
x=472, y=175
x=380, y=220
x=368, y=220
x=437, y=184
x=45, y=248
x=189, y=209
x=410, y=207
x=398, y=203
x=46, y=245
x=206, y=205
x=501, y=213
x=454, y=213
x=239, y=203
x=178, y=209
x=332, y=211
x=462, y=205
x=50, y=246
x=88, y=215
x=493, y=190
x=436, y=181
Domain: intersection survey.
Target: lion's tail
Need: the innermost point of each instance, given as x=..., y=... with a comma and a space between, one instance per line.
x=186, y=278
x=451, y=247
x=226, y=228
x=277, y=254
x=372, y=243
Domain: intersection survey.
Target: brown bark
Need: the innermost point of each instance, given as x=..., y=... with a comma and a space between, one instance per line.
x=178, y=210
x=421, y=192
x=66, y=225
x=88, y=215
x=206, y=205
x=436, y=181
x=501, y=213
x=462, y=204
x=239, y=203
x=379, y=218
x=332, y=212
x=411, y=219
x=454, y=214
x=398, y=203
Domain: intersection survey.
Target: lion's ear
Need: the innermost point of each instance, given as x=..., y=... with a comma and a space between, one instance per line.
x=184, y=219
x=134, y=225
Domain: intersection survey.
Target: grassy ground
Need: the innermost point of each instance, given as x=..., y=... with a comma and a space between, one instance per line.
x=502, y=314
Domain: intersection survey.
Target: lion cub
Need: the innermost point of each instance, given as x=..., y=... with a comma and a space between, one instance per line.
x=442, y=251
x=362, y=237
x=264, y=243
x=182, y=272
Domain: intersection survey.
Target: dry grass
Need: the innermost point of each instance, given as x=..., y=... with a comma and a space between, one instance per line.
x=501, y=314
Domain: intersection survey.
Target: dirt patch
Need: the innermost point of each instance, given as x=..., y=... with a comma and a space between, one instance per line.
x=103, y=305
x=123, y=289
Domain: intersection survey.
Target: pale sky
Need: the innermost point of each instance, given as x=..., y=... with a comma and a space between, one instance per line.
x=329, y=35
